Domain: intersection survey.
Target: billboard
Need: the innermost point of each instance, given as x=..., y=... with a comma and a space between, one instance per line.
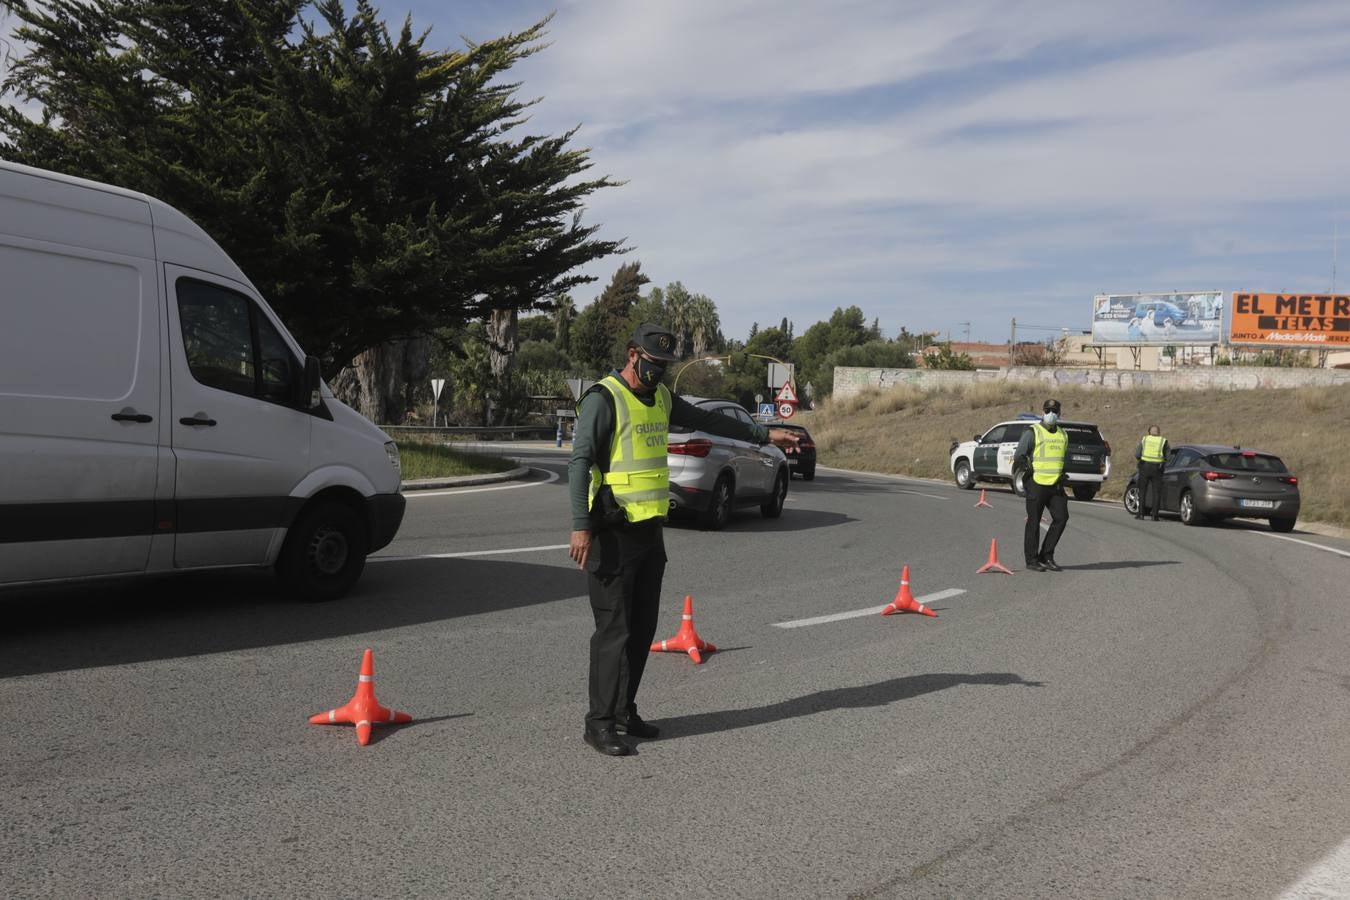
x=1142, y=320
x=1291, y=320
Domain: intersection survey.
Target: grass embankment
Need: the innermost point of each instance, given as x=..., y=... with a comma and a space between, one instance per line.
x=432, y=459
x=909, y=432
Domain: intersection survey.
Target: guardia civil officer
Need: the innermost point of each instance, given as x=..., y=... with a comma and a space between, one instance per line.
x=1150, y=451
x=1041, y=452
x=619, y=486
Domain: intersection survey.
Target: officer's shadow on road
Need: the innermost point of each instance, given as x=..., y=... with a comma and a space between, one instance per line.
x=880, y=694
x=54, y=629
x=1119, y=564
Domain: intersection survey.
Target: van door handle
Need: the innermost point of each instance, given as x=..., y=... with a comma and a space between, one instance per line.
x=130, y=415
x=192, y=420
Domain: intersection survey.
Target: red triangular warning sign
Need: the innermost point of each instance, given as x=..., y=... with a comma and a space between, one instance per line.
x=786, y=394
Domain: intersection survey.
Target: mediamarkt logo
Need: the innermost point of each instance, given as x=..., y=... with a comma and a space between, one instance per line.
x=1302, y=337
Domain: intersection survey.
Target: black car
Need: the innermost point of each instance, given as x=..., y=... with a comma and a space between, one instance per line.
x=801, y=458
x=1201, y=482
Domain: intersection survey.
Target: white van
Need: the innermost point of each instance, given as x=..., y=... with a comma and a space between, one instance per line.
x=155, y=415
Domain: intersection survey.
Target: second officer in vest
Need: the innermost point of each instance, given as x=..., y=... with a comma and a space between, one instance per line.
x=1041, y=453
x=620, y=493
x=1151, y=451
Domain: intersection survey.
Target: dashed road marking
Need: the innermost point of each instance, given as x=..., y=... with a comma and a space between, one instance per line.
x=468, y=553
x=926, y=600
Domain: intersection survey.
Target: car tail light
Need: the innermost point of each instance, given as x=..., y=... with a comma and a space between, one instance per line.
x=1215, y=476
x=806, y=445
x=1251, y=453
x=1107, y=444
x=1289, y=479
x=694, y=447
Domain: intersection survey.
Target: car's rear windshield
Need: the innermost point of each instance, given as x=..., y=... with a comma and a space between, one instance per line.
x=1246, y=462
x=1083, y=434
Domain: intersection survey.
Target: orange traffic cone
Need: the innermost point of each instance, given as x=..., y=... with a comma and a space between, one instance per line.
x=983, y=502
x=904, y=601
x=993, y=565
x=687, y=639
x=363, y=710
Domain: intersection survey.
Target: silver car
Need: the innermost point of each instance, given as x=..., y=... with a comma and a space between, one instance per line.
x=710, y=475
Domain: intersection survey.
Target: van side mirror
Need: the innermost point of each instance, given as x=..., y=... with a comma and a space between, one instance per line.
x=310, y=395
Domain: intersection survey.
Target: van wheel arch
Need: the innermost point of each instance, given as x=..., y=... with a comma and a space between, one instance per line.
x=325, y=548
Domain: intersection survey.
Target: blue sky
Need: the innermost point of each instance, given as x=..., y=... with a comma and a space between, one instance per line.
x=944, y=163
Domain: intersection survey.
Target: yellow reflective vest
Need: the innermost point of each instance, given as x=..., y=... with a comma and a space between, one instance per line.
x=638, y=474
x=1047, y=459
x=1153, y=446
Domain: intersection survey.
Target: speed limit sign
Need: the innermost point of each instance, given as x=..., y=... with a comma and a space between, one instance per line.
x=785, y=410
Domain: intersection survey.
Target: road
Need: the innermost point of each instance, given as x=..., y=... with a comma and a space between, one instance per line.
x=1170, y=717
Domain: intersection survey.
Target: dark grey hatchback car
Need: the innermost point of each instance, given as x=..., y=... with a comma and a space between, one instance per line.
x=1209, y=481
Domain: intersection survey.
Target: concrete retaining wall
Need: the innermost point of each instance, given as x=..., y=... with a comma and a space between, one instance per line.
x=850, y=380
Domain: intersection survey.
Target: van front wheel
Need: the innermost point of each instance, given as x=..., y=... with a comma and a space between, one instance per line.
x=325, y=552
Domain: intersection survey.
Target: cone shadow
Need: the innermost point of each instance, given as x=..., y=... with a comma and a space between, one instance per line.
x=882, y=693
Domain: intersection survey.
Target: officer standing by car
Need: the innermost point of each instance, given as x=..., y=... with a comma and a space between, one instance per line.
x=1151, y=450
x=1041, y=453
x=619, y=486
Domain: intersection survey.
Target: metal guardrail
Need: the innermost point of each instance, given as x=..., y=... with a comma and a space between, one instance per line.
x=510, y=432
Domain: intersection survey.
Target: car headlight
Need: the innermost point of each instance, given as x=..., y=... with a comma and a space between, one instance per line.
x=391, y=450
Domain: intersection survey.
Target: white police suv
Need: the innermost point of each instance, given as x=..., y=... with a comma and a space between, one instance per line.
x=989, y=457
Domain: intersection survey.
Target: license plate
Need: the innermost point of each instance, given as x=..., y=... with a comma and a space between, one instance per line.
x=1078, y=457
x=1257, y=504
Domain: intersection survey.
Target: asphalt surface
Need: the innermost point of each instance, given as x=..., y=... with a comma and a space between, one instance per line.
x=1168, y=718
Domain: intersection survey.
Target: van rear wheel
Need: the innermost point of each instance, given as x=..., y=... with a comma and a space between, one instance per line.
x=324, y=553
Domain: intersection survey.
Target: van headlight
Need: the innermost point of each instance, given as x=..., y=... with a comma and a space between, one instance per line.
x=391, y=450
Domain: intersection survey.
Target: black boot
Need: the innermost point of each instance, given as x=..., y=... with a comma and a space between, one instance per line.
x=1049, y=563
x=1035, y=565
x=605, y=740
x=631, y=723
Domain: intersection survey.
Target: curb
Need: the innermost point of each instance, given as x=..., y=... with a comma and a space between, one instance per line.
x=426, y=484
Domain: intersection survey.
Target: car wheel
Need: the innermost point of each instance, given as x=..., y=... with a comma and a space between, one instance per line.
x=325, y=552
x=719, y=510
x=965, y=479
x=809, y=473
x=1131, y=500
x=774, y=508
x=1019, y=482
x=1084, y=492
x=1282, y=524
x=1189, y=514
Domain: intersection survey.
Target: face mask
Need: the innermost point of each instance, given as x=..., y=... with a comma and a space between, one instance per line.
x=1050, y=418
x=650, y=373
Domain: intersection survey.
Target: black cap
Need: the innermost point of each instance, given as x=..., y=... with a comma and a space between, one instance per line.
x=655, y=341
x=1051, y=406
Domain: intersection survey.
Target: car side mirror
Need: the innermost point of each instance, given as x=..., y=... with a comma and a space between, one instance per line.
x=311, y=397
x=978, y=437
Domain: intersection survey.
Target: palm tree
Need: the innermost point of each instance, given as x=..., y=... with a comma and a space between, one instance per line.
x=677, y=315
x=704, y=324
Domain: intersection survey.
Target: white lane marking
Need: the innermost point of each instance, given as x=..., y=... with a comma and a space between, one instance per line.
x=552, y=477
x=884, y=476
x=372, y=559
x=1328, y=878
x=926, y=600
x=1280, y=537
